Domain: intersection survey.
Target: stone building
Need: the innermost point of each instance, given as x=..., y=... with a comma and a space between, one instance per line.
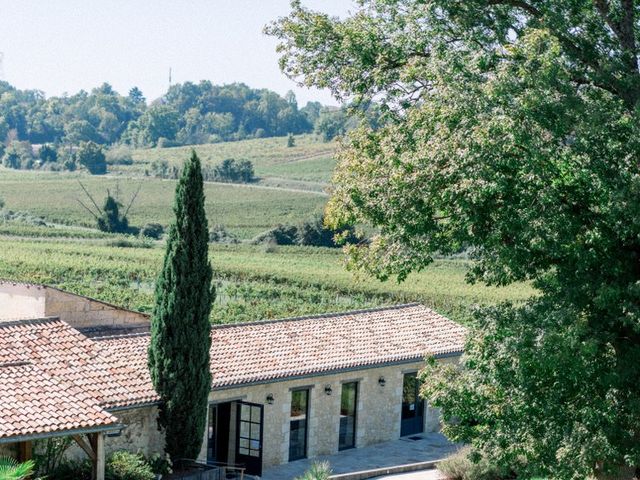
x=282, y=390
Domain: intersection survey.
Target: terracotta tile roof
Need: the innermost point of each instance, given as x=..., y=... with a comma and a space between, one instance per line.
x=266, y=351
x=35, y=403
x=59, y=361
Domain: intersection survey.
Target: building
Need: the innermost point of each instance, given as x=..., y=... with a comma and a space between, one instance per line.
x=281, y=390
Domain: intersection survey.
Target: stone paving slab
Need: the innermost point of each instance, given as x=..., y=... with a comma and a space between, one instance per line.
x=428, y=446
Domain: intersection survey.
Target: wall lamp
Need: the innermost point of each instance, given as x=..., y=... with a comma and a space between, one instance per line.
x=328, y=390
x=270, y=399
x=382, y=382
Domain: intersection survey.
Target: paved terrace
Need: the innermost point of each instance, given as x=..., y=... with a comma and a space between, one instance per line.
x=427, y=447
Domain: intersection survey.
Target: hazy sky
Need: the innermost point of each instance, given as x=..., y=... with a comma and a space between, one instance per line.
x=66, y=45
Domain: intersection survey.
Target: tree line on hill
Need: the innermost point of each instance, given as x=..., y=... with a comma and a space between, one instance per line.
x=40, y=132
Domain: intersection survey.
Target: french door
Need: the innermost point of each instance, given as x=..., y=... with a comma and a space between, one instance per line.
x=249, y=438
x=348, y=407
x=412, y=421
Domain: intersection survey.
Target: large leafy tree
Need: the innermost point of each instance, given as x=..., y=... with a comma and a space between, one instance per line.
x=512, y=130
x=180, y=328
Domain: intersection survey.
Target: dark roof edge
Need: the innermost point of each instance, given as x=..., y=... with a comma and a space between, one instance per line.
x=42, y=285
x=30, y=321
x=323, y=315
x=61, y=433
x=338, y=370
x=132, y=406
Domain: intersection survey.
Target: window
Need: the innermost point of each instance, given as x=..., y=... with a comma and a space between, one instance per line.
x=348, y=403
x=298, y=424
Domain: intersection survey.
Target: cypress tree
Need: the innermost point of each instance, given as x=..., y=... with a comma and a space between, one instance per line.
x=180, y=329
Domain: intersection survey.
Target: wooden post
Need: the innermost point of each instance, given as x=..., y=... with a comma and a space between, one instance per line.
x=25, y=451
x=100, y=462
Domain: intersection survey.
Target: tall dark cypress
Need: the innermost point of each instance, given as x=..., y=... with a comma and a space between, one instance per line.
x=180, y=328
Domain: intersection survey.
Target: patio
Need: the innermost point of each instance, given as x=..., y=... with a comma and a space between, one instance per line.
x=414, y=449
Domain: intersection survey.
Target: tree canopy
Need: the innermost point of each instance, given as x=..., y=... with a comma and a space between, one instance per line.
x=511, y=130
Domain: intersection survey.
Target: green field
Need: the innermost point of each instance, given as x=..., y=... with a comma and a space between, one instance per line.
x=244, y=210
x=253, y=282
x=310, y=159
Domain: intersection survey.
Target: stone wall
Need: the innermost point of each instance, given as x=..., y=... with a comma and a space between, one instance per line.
x=377, y=417
x=80, y=311
x=141, y=434
x=21, y=301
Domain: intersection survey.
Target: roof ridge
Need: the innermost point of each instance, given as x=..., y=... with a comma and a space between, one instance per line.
x=320, y=315
x=30, y=321
x=124, y=335
x=15, y=363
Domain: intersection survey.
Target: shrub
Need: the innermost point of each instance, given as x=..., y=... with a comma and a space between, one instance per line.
x=119, y=155
x=71, y=470
x=291, y=140
x=48, y=153
x=318, y=471
x=160, y=464
x=280, y=235
x=128, y=466
x=91, y=156
x=219, y=234
x=314, y=233
x=128, y=243
x=152, y=230
x=469, y=465
x=231, y=170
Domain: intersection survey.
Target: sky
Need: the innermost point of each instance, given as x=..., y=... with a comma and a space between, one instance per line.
x=68, y=45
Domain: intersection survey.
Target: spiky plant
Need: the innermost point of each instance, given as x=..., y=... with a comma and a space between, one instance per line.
x=11, y=469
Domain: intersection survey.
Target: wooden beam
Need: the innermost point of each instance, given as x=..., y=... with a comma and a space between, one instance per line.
x=86, y=446
x=25, y=451
x=97, y=442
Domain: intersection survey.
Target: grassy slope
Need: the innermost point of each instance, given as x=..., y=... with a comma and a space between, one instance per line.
x=244, y=210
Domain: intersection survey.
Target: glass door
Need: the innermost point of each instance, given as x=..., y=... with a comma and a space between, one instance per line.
x=412, y=421
x=298, y=424
x=249, y=438
x=348, y=404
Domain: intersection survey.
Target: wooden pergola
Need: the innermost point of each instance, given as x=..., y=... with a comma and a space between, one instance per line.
x=90, y=440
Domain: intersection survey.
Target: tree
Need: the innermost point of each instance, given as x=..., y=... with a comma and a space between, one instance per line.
x=291, y=140
x=180, y=329
x=91, y=156
x=111, y=219
x=48, y=153
x=512, y=130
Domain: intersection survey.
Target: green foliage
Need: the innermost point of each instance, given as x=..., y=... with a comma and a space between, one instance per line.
x=280, y=235
x=111, y=220
x=469, y=465
x=219, y=234
x=152, y=230
x=48, y=153
x=317, y=471
x=49, y=454
x=511, y=128
x=11, y=469
x=91, y=156
x=180, y=329
x=123, y=465
x=315, y=233
x=291, y=140
x=231, y=170
x=119, y=155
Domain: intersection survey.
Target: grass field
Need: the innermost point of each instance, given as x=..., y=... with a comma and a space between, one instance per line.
x=310, y=159
x=253, y=282
x=243, y=210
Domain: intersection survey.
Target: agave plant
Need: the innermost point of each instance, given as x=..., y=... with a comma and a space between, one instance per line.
x=318, y=471
x=11, y=469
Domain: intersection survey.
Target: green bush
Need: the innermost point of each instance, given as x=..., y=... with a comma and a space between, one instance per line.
x=280, y=235
x=128, y=466
x=152, y=230
x=469, y=465
x=119, y=155
x=71, y=470
x=219, y=234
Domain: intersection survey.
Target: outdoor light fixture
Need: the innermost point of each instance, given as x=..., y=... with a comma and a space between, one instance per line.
x=382, y=382
x=270, y=399
x=328, y=390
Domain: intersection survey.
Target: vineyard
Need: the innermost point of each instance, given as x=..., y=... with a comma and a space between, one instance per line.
x=253, y=282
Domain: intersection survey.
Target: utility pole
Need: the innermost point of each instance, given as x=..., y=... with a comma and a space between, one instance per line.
x=169, y=76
